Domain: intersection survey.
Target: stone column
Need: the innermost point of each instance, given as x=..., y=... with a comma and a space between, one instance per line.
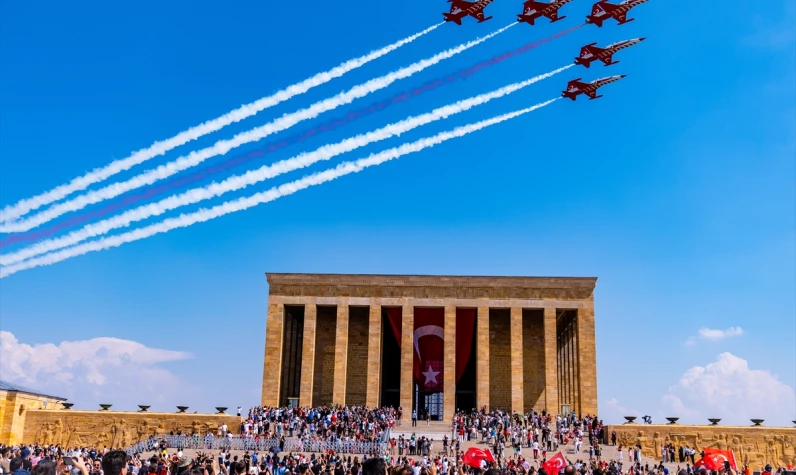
x=482, y=358
x=308, y=355
x=272, y=367
x=449, y=368
x=374, y=356
x=517, y=385
x=340, y=353
x=587, y=361
x=407, y=359
x=550, y=362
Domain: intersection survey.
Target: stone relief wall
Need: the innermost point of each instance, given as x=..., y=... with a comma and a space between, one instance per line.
x=753, y=446
x=115, y=429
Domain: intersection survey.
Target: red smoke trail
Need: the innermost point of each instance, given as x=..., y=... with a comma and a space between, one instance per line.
x=278, y=145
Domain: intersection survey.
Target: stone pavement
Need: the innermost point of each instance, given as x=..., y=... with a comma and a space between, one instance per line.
x=437, y=430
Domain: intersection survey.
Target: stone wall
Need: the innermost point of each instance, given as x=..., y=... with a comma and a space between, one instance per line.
x=115, y=429
x=754, y=446
x=14, y=408
x=325, y=333
x=357, y=364
x=499, y=359
x=533, y=359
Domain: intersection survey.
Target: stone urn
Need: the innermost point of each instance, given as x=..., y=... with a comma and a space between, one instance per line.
x=105, y=407
x=714, y=422
x=182, y=408
x=630, y=419
x=67, y=405
x=757, y=422
x=142, y=408
x=672, y=420
x=220, y=410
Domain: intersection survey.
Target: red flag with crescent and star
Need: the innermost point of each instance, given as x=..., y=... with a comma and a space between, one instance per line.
x=428, y=343
x=475, y=457
x=556, y=463
x=429, y=348
x=715, y=458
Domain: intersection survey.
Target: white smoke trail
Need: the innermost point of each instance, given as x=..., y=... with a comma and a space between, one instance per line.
x=159, y=148
x=223, y=146
x=238, y=182
x=243, y=203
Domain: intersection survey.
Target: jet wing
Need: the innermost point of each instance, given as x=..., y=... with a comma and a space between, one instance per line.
x=478, y=15
x=621, y=17
x=553, y=16
x=592, y=93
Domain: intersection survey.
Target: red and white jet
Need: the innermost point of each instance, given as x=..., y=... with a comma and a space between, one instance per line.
x=604, y=10
x=463, y=8
x=591, y=53
x=576, y=87
x=532, y=10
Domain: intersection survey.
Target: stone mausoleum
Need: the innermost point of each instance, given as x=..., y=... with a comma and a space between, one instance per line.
x=432, y=343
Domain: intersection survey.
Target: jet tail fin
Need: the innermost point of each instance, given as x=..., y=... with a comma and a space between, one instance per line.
x=594, y=20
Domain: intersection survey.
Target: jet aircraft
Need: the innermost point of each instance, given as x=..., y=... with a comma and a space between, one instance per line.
x=603, y=10
x=590, y=53
x=576, y=87
x=463, y=8
x=533, y=9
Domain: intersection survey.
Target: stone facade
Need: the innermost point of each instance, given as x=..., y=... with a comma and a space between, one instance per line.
x=517, y=339
x=754, y=446
x=14, y=408
x=114, y=429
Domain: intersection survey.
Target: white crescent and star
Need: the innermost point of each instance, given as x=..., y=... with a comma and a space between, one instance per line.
x=428, y=330
x=431, y=375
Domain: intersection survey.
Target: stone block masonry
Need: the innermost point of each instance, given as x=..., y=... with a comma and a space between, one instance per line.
x=516, y=361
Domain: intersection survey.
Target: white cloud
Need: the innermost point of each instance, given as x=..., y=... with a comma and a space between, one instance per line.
x=729, y=389
x=88, y=372
x=715, y=335
x=612, y=411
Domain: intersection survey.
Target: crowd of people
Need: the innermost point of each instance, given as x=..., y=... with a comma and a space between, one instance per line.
x=328, y=441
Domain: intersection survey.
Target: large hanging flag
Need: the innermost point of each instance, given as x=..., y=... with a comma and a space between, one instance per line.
x=429, y=348
x=428, y=343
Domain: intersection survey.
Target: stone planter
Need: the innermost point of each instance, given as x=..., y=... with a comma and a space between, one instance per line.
x=67, y=405
x=142, y=408
x=220, y=410
x=757, y=422
x=672, y=420
x=714, y=422
x=181, y=408
x=105, y=407
x=630, y=419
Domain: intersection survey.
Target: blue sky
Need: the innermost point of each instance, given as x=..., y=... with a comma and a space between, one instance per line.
x=677, y=190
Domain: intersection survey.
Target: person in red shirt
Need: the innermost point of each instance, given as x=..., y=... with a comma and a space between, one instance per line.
x=767, y=470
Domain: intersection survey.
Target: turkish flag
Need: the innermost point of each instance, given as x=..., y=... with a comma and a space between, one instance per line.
x=557, y=463
x=718, y=456
x=474, y=457
x=428, y=342
x=429, y=346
